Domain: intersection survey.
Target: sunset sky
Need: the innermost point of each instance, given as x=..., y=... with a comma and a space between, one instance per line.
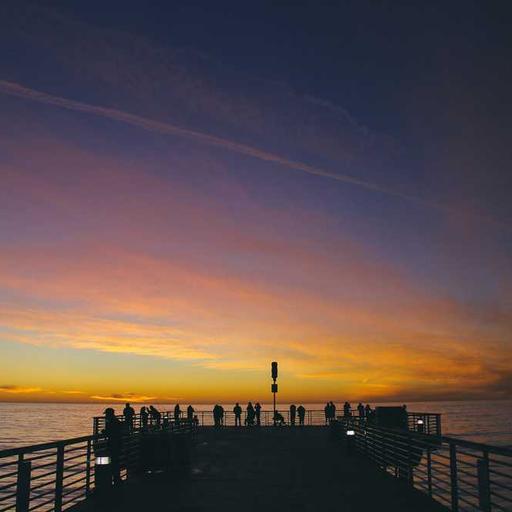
x=189, y=191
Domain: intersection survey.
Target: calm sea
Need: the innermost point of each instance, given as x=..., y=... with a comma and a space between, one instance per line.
x=24, y=424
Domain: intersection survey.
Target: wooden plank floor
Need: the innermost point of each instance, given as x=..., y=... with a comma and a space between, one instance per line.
x=269, y=469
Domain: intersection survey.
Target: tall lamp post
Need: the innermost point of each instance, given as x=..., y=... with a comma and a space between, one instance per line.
x=274, y=385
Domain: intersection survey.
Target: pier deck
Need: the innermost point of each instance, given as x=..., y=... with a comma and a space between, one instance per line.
x=280, y=469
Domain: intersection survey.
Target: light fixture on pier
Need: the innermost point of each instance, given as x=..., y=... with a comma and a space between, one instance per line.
x=351, y=432
x=419, y=422
x=102, y=461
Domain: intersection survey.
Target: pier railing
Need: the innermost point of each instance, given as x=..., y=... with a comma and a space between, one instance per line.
x=428, y=423
x=55, y=476
x=460, y=474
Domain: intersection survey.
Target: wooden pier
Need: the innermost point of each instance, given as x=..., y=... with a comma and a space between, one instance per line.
x=351, y=464
x=272, y=469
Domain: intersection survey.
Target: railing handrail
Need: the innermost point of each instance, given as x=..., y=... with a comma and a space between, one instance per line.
x=315, y=417
x=20, y=450
x=462, y=475
x=423, y=413
x=184, y=411
x=498, y=450
x=183, y=414
x=55, y=476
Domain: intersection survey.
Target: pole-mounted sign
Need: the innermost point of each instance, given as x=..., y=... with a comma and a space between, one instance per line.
x=274, y=385
x=274, y=371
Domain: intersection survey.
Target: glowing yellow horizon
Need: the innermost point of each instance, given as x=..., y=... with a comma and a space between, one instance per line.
x=119, y=283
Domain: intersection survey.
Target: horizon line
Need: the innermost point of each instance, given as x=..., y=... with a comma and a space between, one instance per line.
x=120, y=403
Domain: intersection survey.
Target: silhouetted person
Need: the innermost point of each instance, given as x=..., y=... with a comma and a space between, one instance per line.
x=346, y=409
x=302, y=414
x=221, y=414
x=327, y=412
x=238, y=415
x=360, y=410
x=113, y=431
x=144, y=417
x=190, y=413
x=250, y=414
x=405, y=417
x=216, y=415
x=156, y=415
x=369, y=414
x=257, y=413
x=128, y=413
x=293, y=411
x=177, y=413
x=279, y=419
x=332, y=410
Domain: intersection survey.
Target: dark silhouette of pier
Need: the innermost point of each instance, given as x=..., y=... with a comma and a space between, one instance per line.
x=393, y=460
x=275, y=469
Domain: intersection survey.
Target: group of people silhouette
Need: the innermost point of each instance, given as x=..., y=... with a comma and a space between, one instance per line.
x=253, y=415
x=363, y=411
x=150, y=416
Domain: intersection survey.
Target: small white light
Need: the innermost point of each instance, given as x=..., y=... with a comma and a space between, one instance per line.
x=102, y=461
x=351, y=433
x=420, y=422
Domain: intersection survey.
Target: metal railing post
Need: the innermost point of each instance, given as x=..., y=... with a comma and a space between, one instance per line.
x=429, y=471
x=384, y=460
x=484, y=487
x=88, y=469
x=453, y=478
x=59, y=478
x=410, y=467
x=23, y=485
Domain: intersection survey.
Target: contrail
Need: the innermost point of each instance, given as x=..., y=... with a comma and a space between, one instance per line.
x=15, y=89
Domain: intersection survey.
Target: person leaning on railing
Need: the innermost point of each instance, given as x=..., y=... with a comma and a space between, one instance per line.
x=257, y=413
x=156, y=416
x=144, y=416
x=113, y=431
x=129, y=414
x=301, y=412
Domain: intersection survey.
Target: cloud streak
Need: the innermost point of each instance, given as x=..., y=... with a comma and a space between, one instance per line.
x=151, y=125
x=120, y=397
x=11, y=388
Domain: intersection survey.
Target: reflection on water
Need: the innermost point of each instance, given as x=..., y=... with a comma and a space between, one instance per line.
x=24, y=424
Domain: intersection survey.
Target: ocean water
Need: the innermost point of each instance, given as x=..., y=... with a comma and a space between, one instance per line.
x=25, y=424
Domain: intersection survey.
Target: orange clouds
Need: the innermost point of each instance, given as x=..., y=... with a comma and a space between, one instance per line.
x=11, y=388
x=122, y=261
x=127, y=397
